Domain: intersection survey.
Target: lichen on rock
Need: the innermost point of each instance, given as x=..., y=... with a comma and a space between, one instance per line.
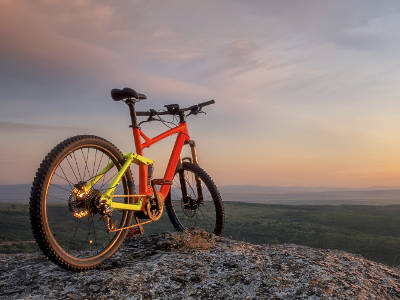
x=198, y=265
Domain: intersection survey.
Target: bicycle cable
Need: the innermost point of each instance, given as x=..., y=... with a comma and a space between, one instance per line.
x=159, y=119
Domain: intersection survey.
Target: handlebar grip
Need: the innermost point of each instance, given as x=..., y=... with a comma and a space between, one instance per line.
x=206, y=103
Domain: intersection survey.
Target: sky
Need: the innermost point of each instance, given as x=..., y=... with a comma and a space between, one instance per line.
x=307, y=92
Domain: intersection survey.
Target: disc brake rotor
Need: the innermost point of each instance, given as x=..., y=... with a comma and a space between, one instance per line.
x=190, y=206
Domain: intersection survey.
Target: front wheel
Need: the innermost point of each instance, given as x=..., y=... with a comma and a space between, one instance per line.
x=194, y=201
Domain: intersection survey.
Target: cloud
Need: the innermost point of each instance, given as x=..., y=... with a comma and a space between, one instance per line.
x=271, y=65
x=54, y=48
x=58, y=48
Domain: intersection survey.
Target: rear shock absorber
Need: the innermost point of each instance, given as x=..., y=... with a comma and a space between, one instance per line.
x=149, y=174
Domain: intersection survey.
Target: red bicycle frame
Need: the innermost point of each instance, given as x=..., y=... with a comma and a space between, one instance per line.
x=183, y=136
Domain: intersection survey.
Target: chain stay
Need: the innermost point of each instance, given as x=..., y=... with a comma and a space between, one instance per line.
x=111, y=226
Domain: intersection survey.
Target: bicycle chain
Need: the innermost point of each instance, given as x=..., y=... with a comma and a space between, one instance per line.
x=111, y=226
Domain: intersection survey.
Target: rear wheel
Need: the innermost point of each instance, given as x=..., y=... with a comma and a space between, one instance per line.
x=71, y=230
x=194, y=201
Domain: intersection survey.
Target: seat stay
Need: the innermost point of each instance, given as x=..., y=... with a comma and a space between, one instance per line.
x=115, y=182
x=99, y=176
x=109, y=194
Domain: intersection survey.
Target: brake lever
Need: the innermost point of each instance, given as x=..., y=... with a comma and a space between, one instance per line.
x=193, y=111
x=196, y=110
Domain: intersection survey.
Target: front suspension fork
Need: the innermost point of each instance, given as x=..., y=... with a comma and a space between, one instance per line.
x=194, y=160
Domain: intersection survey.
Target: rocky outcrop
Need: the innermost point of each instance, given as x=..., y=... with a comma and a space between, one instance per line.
x=198, y=265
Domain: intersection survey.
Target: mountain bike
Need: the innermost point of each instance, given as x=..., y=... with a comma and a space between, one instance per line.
x=83, y=201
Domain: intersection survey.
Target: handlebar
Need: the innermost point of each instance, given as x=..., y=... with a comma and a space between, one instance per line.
x=174, y=109
x=150, y=113
x=206, y=103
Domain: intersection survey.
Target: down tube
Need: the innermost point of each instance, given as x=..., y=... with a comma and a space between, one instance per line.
x=173, y=161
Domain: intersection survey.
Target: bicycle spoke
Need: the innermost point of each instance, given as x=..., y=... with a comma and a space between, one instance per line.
x=59, y=187
x=102, y=182
x=56, y=197
x=101, y=159
x=191, y=188
x=108, y=180
x=77, y=221
x=84, y=238
x=76, y=177
x=85, y=160
x=193, y=211
x=89, y=230
x=94, y=165
x=94, y=231
x=59, y=176
x=76, y=163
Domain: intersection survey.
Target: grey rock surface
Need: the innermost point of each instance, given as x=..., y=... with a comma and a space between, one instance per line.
x=197, y=265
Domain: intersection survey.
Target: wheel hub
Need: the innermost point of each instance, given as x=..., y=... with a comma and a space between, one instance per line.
x=82, y=202
x=189, y=206
x=190, y=203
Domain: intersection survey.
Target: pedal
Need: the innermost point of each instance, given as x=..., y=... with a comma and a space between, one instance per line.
x=135, y=231
x=161, y=182
x=140, y=227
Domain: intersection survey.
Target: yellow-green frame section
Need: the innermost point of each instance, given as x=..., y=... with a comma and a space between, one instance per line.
x=108, y=195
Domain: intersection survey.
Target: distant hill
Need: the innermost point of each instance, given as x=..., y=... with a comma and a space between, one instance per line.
x=311, y=195
x=19, y=193
x=16, y=193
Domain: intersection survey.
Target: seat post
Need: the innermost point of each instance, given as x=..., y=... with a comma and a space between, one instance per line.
x=132, y=112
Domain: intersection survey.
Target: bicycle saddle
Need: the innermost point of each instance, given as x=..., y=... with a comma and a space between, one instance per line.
x=126, y=93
